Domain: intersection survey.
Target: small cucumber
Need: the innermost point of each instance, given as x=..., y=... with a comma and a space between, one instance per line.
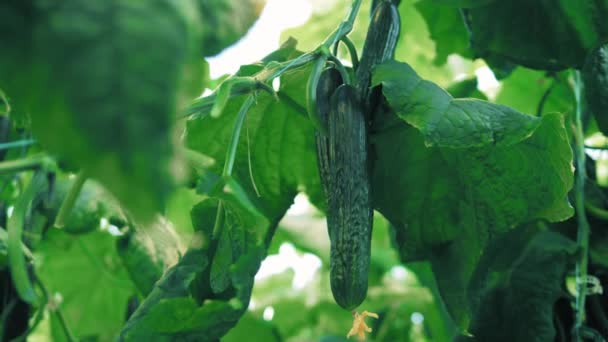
x=329, y=81
x=379, y=46
x=595, y=77
x=349, y=217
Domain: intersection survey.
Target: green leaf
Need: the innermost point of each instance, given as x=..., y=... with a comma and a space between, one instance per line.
x=446, y=29
x=102, y=82
x=276, y=147
x=521, y=274
x=540, y=35
x=226, y=21
x=88, y=275
x=147, y=252
x=524, y=89
x=445, y=121
x=467, y=196
x=468, y=190
x=168, y=313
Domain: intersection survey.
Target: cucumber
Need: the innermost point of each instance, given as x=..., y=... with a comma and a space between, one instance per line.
x=379, y=46
x=349, y=217
x=595, y=78
x=329, y=81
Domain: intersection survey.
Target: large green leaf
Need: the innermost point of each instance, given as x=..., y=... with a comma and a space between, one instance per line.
x=87, y=274
x=526, y=267
x=447, y=202
x=277, y=143
x=170, y=313
x=101, y=83
x=445, y=121
x=546, y=35
x=226, y=21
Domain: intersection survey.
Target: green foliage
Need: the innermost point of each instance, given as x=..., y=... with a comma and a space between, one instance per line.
x=280, y=163
x=117, y=127
x=470, y=188
x=146, y=252
x=446, y=29
x=510, y=272
x=92, y=204
x=445, y=121
x=540, y=35
x=89, y=279
x=595, y=76
x=463, y=161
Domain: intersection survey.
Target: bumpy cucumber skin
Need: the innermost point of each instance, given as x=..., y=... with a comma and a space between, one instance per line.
x=380, y=45
x=349, y=217
x=595, y=78
x=329, y=81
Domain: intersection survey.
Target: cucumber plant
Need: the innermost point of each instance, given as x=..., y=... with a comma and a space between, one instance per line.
x=448, y=214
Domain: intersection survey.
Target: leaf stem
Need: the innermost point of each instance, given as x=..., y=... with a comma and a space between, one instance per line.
x=579, y=202
x=70, y=199
x=596, y=211
x=39, y=313
x=66, y=330
x=545, y=97
x=18, y=143
x=16, y=256
x=30, y=163
x=230, y=158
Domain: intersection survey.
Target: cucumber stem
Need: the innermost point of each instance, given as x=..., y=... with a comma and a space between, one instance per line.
x=230, y=158
x=341, y=69
x=579, y=202
x=352, y=51
x=70, y=199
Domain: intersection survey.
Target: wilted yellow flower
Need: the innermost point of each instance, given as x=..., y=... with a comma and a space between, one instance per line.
x=359, y=327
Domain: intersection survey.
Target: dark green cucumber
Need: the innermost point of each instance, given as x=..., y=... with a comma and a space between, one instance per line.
x=329, y=81
x=379, y=46
x=595, y=78
x=349, y=217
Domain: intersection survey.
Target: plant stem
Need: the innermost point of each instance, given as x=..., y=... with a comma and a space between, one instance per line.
x=230, y=158
x=583, y=225
x=39, y=313
x=70, y=199
x=64, y=326
x=16, y=256
x=541, y=104
x=276, y=69
x=597, y=212
x=18, y=143
x=29, y=163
